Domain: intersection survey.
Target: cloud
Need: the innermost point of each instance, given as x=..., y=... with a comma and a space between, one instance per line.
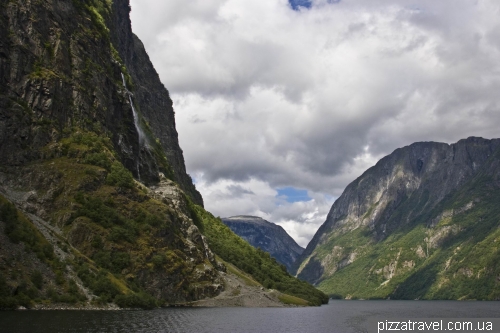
x=310, y=98
x=300, y=219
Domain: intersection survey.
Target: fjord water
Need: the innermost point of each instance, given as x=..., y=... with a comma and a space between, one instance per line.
x=336, y=317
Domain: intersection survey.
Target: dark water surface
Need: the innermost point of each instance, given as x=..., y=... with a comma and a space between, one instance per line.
x=336, y=317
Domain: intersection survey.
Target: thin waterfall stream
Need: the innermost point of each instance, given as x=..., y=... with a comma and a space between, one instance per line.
x=140, y=132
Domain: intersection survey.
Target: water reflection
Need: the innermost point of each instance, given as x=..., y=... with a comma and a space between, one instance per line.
x=337, y=317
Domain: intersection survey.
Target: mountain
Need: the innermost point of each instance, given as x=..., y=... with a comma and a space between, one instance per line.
x=423, y=223
x=61, y=66
x=96, y=207
x=151, y=97
x=255, y=261
x=267, y=236
x=82, y=112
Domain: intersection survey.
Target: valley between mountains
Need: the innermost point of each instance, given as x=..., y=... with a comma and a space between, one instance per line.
x=97, y=210
x=423, y=223
x=96, y=207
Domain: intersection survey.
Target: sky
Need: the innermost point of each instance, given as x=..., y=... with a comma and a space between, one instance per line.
x=279, y=106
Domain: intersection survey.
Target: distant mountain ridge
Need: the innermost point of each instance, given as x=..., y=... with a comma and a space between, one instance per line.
x=422, y=223
x=268, y=236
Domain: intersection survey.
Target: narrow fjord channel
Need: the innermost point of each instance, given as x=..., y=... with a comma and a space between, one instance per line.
x=336, y=317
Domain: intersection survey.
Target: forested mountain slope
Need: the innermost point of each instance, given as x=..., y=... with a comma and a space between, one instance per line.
x=423, y=223
x=267, y=236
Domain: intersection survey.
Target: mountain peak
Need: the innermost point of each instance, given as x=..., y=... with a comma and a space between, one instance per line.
x=383, y=233
x=266, y=235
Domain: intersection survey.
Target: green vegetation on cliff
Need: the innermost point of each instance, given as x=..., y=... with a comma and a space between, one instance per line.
x=19, y=229
x=77, y=227
x=422, y=247
x=264, y=269
x=22, y=283
x=124, y=242
x=455, y=259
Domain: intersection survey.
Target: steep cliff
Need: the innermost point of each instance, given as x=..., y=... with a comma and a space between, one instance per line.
x=61, y=66
x=267, y=236
x=151, y=97
x=422, y=223
x=96, y=208
x=83, y=113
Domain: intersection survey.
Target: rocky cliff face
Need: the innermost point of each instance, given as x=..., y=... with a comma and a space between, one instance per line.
x=152, y=98
x=59, y=72
x=266, y=236
x=61, y=66
x=96, y=208
x=410, y=226
x=83, y=113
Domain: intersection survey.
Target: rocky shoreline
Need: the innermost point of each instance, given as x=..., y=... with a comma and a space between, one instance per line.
x=237, y=293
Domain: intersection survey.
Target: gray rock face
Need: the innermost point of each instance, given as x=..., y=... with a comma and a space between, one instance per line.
x=399, y=188
x=151, y=96
x=60, y=69
x=77, y=94
x=266, y=235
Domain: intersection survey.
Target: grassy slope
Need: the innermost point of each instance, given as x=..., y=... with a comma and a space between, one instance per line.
x=28, y=244
x=113, y=225
x=255, y=262
x=249, y=281
x=463, y=266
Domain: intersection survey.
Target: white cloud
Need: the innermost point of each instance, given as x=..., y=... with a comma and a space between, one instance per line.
x=310, y=99
x=227, y=198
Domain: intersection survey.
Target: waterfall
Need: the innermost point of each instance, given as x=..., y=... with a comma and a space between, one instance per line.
x=124, y=83
x=140, y=132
